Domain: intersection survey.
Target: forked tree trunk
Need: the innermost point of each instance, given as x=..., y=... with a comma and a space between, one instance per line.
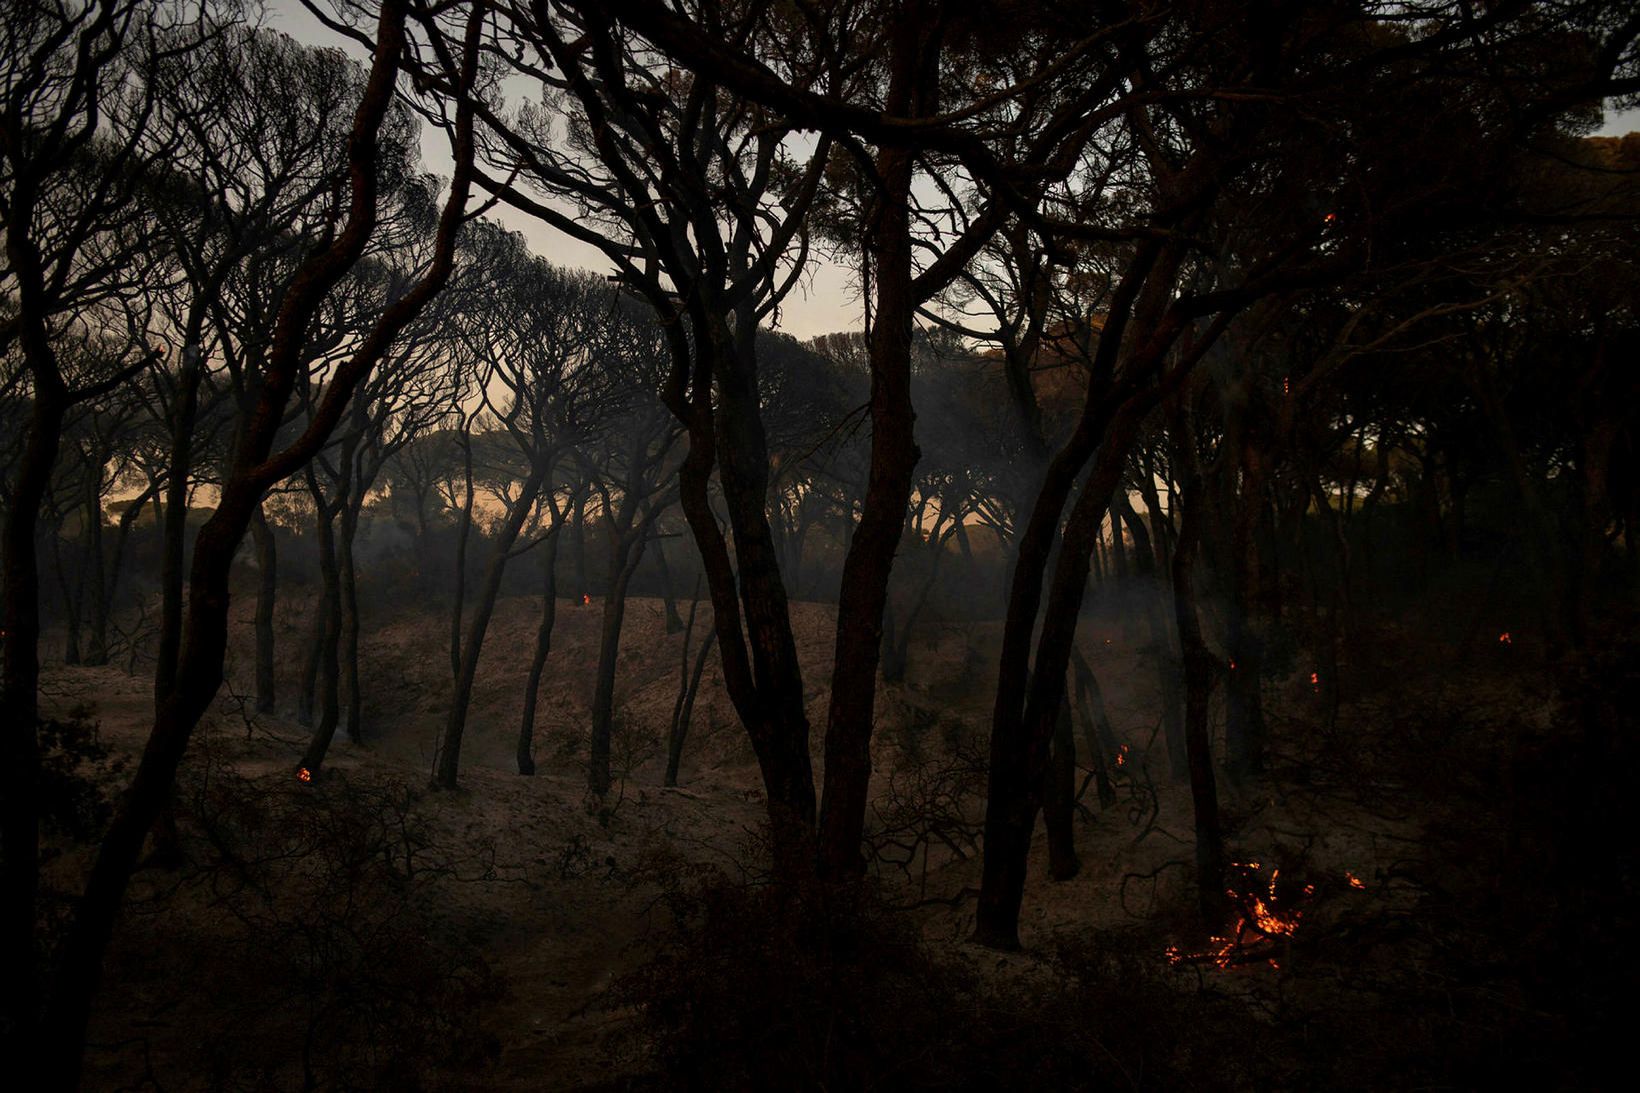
x=449, y=750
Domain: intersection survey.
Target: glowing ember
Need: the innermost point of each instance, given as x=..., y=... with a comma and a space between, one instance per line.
x=1286, y=386
x=1315, y=677
x=1121, y=755
x=1330, y=218
x=303, y=774
x=1232, y=665
x=1355, y=881
x=1265, y=915
x=1504, y=639
x=586, y=599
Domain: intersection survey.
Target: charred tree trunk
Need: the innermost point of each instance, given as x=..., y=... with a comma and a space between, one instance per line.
x=449, y=750
x=327, y=654
x=267, y=589
x=683, y=709
x=894, y=455
x=464, y=531
x=1059, y=799
x=1161, y=641
x=624, y=561
x=674, y=622
x=1244, y=728
x=1199, y=665
x=176, y=518
x=96, y=651
x=19, y=705
x=1103, y=747
x=543, y=647
x=347, y=600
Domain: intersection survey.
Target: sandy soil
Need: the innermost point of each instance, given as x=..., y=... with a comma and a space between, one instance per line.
x=564, y=904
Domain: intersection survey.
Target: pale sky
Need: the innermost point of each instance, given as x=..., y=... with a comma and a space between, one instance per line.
x=826, y=301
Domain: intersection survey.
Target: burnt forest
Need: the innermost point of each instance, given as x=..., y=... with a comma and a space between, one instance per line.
x=819, y=545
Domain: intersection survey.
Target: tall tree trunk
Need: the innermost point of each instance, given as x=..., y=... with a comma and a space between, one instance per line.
x=267, y=590
x=1100, y=741
x=1161, y=641
x=543, y=647
x=1059, y=799
x=1199, y=666
x=624, y=561
x=464, y=531
x=176, y=517
x=96, y=651
x=19, y=704
x=69, y=590
x=1244, y=728
x=674, y=622
x=449, y=751
x=329, y=705
x=688, y=687
x=894, y=455
x=347, y=591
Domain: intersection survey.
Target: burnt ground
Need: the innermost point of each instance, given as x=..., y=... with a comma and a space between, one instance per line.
x=364, y=931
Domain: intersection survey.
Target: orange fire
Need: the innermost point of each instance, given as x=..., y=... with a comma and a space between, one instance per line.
x=1329, y=218
x=585, y=599
x=1504, y=639
x=303, y=774
x=1232, y=665
x=1121, y=755
x=1355, y=881
x=1261, y=921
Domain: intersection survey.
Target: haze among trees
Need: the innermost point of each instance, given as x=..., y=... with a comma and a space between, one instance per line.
x=1181, y=634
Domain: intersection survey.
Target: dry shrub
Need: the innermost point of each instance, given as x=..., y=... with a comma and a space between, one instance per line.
x=302, y=945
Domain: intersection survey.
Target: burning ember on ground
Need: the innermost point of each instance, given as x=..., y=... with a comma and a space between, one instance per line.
x=303, y=774
x=1266, y=912
x=585, y=599
x=1504, y=639
x=1121, y=755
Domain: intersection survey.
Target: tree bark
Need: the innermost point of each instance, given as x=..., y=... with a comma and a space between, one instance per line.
x=267, y=589
x=1199, y=665
x=894, y=454
x=543, y=647
x=449, y=750
x=624, y=559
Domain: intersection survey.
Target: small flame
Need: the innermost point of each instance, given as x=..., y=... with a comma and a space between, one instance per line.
x=1504, y=639
x=1355, y=881
x=1329, y=218
x=1121, y=755
x=586, y=599
x=1260, y=924
x=1315, y=677
x=303, y=774
x=1232, y=665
